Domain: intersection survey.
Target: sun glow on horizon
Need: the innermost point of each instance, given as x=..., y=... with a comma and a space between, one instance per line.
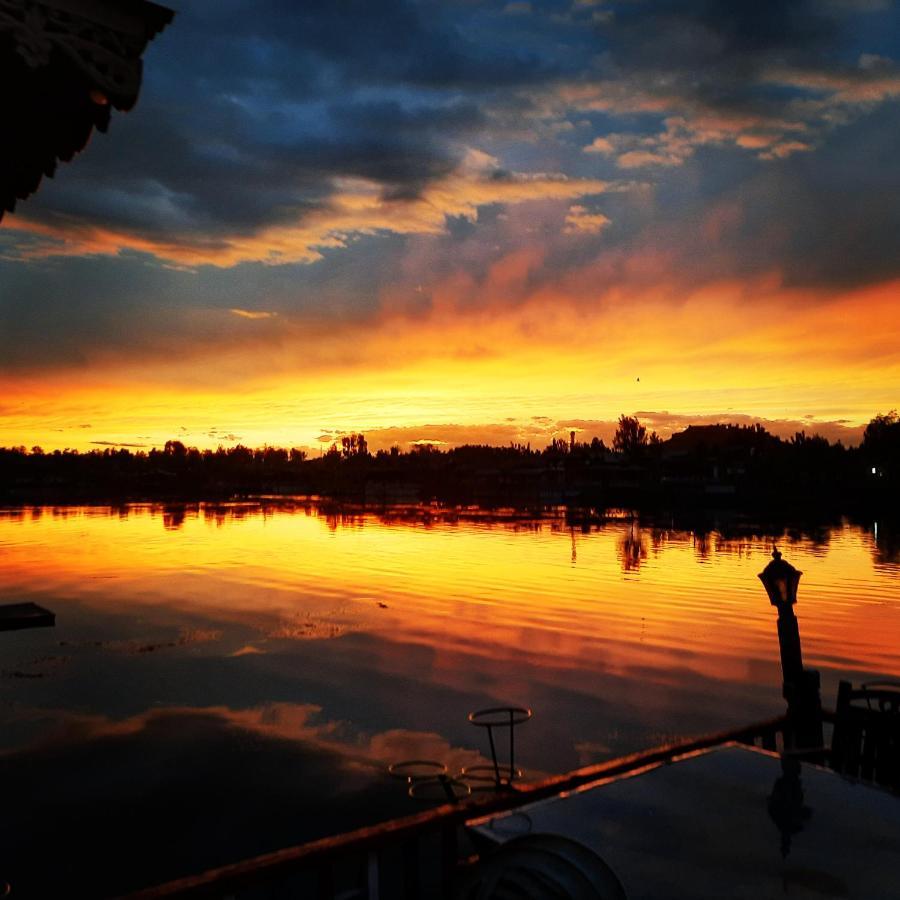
x=505, y=372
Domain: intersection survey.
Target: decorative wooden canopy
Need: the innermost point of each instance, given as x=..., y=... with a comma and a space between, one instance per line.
x=63, y=65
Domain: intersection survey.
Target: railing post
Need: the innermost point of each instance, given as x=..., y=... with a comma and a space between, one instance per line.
x=325, y=881
x=410, y=854
x=804, y=714
x=372, y=875
x=449, y=858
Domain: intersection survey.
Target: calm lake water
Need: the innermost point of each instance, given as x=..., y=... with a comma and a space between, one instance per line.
x=227, y=679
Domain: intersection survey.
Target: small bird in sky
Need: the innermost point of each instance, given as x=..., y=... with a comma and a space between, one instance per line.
x=639, y=379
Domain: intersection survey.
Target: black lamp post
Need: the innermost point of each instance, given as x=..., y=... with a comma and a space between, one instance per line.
x=801, y=686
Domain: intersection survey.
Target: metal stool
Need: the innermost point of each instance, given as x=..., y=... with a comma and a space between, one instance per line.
x=491, y=718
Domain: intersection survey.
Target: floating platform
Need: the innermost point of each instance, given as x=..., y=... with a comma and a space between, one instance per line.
x=16, y=616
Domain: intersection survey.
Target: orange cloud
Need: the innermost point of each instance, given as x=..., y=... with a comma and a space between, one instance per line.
x=785, y=149
x=863, y=86
x=755, y=141
x=580, y=221
x=253, y=314
x=683, y=134
x=600, y=145
x=356, y=207
x=692, y=123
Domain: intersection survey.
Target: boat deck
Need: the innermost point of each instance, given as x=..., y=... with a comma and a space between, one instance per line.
x=420, y=856
x=730, y=820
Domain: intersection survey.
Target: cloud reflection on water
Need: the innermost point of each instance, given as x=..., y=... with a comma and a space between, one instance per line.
x=123, y=803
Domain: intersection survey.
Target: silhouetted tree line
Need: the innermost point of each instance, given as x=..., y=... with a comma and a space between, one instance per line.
x=702, y=466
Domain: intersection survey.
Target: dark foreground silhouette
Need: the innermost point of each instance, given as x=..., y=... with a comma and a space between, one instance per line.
x=705, y=466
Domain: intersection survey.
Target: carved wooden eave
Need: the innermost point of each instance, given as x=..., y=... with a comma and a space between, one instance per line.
x=64, y=64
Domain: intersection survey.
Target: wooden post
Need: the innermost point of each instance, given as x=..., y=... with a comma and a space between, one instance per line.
x=800, y=688
x=789, y=644
x=449, y=859
x=325, y=881
x=410, y=855
x=372, y=877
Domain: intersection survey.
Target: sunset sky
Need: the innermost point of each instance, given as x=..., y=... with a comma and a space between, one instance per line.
x=463, y=221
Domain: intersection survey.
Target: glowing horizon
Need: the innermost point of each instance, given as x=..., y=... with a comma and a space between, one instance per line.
x=432, y=395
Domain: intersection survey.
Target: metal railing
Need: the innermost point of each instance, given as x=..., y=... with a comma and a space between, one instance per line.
x=417, y=856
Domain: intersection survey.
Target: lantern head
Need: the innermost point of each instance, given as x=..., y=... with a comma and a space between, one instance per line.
x=780, y=579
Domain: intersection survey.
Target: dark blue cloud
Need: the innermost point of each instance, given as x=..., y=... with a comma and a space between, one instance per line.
x=739, y=26
x=252, y=111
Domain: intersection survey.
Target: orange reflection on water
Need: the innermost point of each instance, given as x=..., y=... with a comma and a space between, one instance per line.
x=618, y=599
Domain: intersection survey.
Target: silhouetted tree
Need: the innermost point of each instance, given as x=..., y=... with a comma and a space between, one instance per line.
x=881, y=443
x=630, y=437
x=558, y=447
x=354, y=445
x=176, y=449
x=745, y=464
x=882, y=434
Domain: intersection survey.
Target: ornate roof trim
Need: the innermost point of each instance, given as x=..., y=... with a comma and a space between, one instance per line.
x=72, y=60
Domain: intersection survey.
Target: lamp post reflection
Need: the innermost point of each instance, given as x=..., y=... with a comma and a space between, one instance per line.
x=786, y=807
